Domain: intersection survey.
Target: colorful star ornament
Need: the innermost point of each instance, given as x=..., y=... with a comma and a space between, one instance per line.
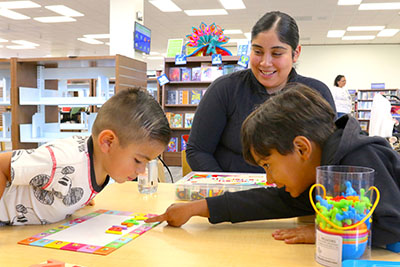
x=207, y=41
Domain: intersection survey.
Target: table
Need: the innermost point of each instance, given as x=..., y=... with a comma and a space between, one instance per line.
x=197, y=243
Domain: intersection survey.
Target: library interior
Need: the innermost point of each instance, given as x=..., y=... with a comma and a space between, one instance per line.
x=210, y=71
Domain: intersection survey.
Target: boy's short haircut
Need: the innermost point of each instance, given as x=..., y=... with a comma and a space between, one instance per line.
x=133, y=115
x=297, y=110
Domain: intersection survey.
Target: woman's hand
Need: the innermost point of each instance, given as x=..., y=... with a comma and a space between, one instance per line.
x=179, y=213
x=299, y=235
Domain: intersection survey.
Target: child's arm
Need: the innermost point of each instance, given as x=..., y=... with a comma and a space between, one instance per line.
x=179, y=213
x=5, y=162
x=299, y=235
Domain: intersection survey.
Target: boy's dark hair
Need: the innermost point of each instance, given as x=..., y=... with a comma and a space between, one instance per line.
x=337, y=79
x=133, y=115
x=283, y=24
x=297, y=110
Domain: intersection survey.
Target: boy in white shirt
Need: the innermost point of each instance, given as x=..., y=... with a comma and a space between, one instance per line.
x=47, y=184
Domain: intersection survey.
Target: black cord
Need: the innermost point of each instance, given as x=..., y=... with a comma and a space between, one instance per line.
x=166, y=166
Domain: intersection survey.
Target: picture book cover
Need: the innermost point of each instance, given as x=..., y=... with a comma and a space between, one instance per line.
x=175, y=74
x=169, y=115
x=183, y=97
x=195, y=97
x=176, y=121
x=173, y=145
x=186, y=74
x=189, y=120
x=172, y=97
x=227, y=69
x=184, y=137
x=196, y=74
x=100, y=232
x=210, y=73
x=206, y=74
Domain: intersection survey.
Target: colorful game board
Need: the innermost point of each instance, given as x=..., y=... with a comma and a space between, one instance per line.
x=198, y=185
x=100, y=232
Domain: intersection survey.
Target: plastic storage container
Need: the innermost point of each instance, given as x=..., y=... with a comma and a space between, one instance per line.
x=198, y=185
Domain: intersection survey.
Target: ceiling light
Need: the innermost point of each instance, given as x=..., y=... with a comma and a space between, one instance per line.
x=365, y=28
x=64, y=10
x=20, y=47
x=165, y=5
x=12, y=14
x=107, y=43
x=335, y=33
x=3, y=40
x=360, y=37
x=18, y=4
x=97, y=36
x=54, y=19
x=23, y=42
x=232, y=4
x=388, y=32
x=90, y=41
x=205, y=12
x=233, y=32
x=248, y=35
x=348, y=2
x=379, y=6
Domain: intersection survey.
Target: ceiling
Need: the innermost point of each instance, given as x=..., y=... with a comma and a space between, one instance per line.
x=314, y=18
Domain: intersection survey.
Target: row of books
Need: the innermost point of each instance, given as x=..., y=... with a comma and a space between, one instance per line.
x=173, y=145
x=365, y=105
x=369, y=95
x=189, y=96
x=205, y=73
x=180, y=120
x=364, y=115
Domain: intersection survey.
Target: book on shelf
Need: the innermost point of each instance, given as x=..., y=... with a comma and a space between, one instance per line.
x=196, y=74
x=175, y=74
x=172, y=97
x=188, y=120
x=186, y=74
x=210, y=73
x=183, y=97
x=173, y=145
x=176, y=120
x=184, y=138
x=195, y=96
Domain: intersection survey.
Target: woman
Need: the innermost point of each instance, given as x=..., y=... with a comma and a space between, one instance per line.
x=214, y=142
x=341, y=96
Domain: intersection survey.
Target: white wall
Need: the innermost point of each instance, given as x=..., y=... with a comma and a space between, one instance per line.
x=361, y=64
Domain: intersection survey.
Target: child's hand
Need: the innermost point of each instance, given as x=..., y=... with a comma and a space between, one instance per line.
x=179, y=213
x=299, y=235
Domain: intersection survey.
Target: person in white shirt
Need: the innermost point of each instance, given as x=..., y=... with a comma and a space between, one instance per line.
x=341, y=96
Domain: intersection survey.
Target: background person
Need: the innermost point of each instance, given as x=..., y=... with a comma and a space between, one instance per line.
x=341, y=96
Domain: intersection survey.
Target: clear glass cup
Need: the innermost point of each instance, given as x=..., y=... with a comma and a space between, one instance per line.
x=148, y=181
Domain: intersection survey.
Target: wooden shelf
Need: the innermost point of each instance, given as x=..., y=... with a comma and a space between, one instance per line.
x=174, y=158
x=26, y=95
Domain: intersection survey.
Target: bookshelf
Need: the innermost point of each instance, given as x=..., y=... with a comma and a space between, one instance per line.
x=153, y=87
x=364, y=104
x=5, y=114
x=180, y=97
x=39, y=86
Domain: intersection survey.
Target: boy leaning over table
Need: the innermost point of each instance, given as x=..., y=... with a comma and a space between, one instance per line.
x=290, y=135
